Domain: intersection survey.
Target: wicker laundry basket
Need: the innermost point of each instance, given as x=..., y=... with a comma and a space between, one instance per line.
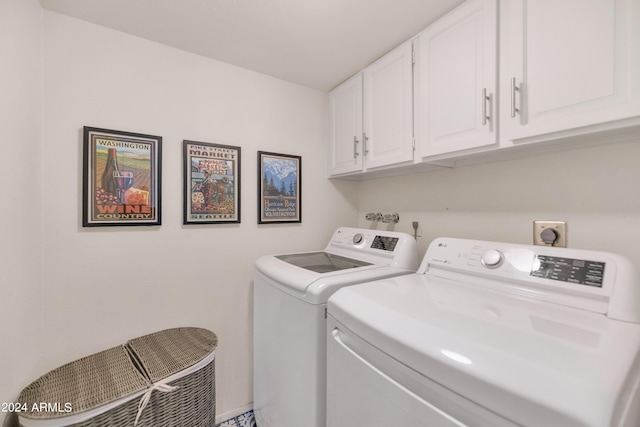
x=164, y=379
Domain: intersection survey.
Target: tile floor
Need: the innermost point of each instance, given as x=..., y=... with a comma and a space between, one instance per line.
x=244, y=420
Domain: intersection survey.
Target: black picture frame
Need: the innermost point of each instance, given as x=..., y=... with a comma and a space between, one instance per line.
x=211, y=183
x=279, y=188
x=122, y=178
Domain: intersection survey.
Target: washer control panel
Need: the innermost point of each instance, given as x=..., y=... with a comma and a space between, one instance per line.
x=384, y=243
x=368, y=239
x=375, y=246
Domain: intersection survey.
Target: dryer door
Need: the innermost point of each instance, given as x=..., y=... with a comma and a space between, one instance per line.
x=367, y=388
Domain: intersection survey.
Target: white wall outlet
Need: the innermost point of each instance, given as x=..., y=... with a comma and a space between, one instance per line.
x=550, y=233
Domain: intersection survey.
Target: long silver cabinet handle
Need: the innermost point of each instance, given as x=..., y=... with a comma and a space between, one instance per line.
x=514, y=88
x=355, y=147
x=365, y=139
x=486, y=98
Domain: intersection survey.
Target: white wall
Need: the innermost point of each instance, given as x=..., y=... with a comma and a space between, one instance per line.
x=20, y=224
x=596, y=190
x=103, y=286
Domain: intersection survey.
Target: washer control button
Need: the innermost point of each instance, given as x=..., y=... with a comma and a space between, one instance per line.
x=492, y=258
x=358, y=238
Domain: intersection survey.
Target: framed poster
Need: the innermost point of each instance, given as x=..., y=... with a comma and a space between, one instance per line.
x=279, y=184
x=121, y=174
x=211, y=183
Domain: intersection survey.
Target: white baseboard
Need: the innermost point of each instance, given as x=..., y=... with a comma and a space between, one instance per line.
x=233, y=413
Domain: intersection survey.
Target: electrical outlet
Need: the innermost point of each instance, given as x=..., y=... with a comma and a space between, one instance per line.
x=550, y=233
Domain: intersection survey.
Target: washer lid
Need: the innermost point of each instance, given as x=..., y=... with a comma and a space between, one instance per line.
x=321, y=262
x=353, y=255
x=533, y=362
x=316, y=287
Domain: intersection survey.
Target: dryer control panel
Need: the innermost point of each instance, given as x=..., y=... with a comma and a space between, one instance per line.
x=577, y=278
x=578, y=271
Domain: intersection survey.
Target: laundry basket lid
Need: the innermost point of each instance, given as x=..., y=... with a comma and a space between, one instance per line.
x=82, y=385
x=168, y=352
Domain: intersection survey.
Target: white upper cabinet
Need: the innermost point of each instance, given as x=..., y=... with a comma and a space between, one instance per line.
x=493, y=79
x=371, y=116
x=568, y=64
x=345, y=124
x=456, y=80
x=388, y=109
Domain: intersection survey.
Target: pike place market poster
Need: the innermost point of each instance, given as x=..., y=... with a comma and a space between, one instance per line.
x=121, y=178
x=211, y=183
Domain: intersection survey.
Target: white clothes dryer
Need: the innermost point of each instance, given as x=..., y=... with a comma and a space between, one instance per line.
x=290, y=296
x=489, y=334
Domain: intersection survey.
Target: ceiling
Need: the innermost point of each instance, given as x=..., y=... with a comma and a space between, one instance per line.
x=314, y=43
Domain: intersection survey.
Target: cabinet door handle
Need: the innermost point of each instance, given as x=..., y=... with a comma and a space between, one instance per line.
x=365, y=138
x=514, y=88
x=355, y=147
x=486, y=98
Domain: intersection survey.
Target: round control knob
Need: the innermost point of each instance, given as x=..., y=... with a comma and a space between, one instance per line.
x=492, y=258
x=358, y=238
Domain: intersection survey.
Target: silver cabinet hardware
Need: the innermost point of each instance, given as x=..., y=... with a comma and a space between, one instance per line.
x=365, y=139
x=486, y=98
x=355, y=147
x=515, y=88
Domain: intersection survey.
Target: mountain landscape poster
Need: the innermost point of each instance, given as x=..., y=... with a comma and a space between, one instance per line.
x=279, y=184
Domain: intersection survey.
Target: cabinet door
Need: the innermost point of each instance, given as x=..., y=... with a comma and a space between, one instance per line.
x=456, y=80
x=345, y=124
x=388, y=109
x=568, y=64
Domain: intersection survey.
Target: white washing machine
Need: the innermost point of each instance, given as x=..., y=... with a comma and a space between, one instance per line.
x=489, y=334
x=290, y=299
